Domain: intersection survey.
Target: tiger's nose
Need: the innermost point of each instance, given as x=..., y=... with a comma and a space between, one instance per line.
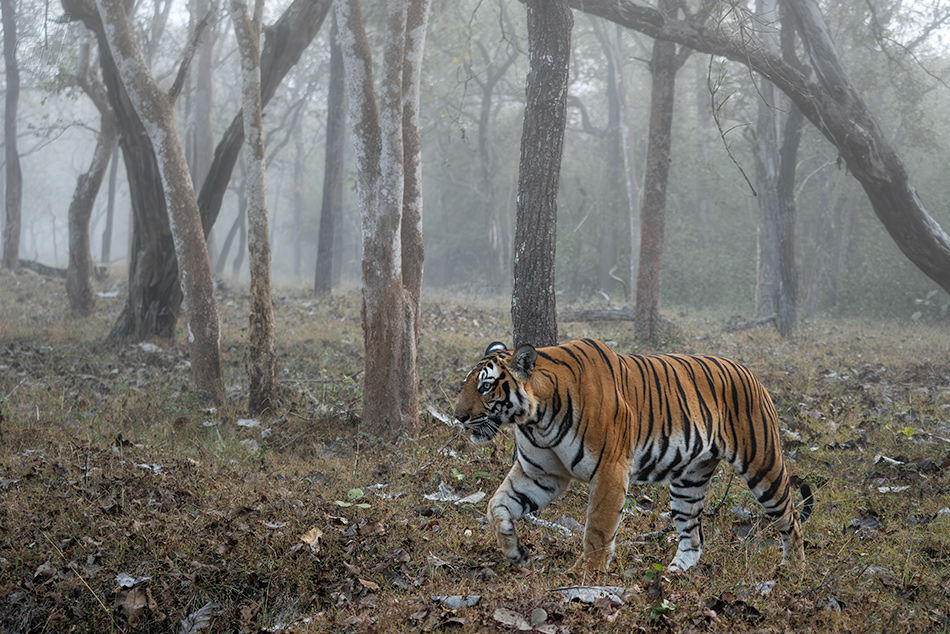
x=462, y=417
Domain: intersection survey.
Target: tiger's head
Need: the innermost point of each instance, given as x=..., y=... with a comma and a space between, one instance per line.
x=494, y=393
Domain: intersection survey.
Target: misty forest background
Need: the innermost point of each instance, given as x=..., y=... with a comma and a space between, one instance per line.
x=471, y=117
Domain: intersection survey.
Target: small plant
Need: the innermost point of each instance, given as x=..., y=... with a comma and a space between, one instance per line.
x=661, y=609
x=352, y=496
x=652, y=572
x=907, y=432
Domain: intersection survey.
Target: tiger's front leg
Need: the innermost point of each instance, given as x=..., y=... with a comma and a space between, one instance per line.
x=604, y=507
x=519, y=494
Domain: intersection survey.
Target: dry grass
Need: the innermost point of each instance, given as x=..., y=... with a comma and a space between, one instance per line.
x=108, y=468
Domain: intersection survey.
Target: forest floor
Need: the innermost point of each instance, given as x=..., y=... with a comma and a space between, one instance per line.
x=127, y=507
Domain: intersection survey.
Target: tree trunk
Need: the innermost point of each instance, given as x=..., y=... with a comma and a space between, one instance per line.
x=13, y=197
x=260, y=358
x=156, y=111
x=386, y=158
x=154, y=294
x=413, y=253
x=648, y=325
x=110, y=206
x=765, y=152
x=79, y=271
x=776, y=288
x=331, y=209
x=832, y=105
x=533, y=303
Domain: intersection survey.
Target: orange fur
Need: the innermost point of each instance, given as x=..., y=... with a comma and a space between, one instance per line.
x=582, y=412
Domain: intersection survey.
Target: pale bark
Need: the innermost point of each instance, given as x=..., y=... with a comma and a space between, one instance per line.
x=384, y=174
x=413, y=253
x=156, y=111
x=260, y=358
x=832, y=105
x=13, y=196
x=533, y=303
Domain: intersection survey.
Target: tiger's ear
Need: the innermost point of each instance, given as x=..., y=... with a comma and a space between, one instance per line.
x=495, y=346
x=522, y=363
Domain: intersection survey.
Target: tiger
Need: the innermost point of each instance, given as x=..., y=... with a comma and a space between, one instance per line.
x=583, y=412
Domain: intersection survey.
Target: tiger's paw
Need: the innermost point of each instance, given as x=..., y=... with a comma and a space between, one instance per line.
x=684, y=560
x=590, y=562
x=521, y=557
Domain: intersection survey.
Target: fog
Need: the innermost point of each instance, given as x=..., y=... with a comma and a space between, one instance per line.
x=476, y=51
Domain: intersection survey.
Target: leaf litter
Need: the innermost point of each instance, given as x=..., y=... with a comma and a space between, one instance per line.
x=105, y=454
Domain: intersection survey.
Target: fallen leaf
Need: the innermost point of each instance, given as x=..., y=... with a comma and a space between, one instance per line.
x=312, y=539
x=589, y=594
x=132, y=602
x=456, y=601
x=200, y=619
x=369, y=585
x=510, y=618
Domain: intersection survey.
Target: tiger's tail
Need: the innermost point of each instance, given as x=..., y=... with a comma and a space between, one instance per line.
x=808, y=498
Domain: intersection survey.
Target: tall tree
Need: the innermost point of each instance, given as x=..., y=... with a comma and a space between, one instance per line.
x=386, y=142
x=13, y=197
x=663, y=66
x=79, y=271
x=260, y=358
x=155, y=295
x=332, y=205
x=155, y=109
x=776, y=138
x=831, y=104
x=533, y=303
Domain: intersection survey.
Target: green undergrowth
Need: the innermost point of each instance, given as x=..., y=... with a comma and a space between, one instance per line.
x=125, y=506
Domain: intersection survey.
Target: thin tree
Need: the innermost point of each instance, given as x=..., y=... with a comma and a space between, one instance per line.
x=79, y=271
x=13, y=197
x=155, y=108
x=260, y=359
x=386, y=144
x=533, y=303
x=332, y=205
x=663, y=66
x=775, y=140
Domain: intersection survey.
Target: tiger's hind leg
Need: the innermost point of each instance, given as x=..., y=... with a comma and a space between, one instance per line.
x=518, y=495
x=774, y=492
x=687, y=497
x=786, y=521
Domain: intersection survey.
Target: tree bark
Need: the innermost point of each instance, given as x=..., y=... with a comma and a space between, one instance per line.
x=79, y=272
x=13, y=197
x=413, y=252
x=260, y=358
x=332, y=205
x=386, y=170
x=832, y=105
x=154, y=294
x=533, y=303
x=156, y=111
x=648, y=326
x=110, y=206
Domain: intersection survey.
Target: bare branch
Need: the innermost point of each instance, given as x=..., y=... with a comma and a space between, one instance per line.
x=190, y=51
